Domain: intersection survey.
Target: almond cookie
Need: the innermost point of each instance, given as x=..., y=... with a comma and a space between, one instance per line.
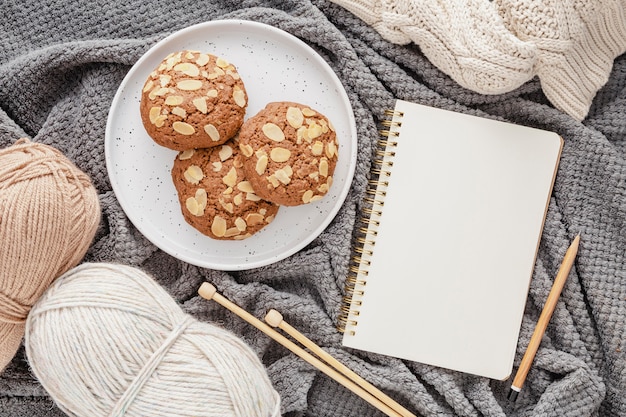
x=193, y=100
x=290, y=153
x=214, y=195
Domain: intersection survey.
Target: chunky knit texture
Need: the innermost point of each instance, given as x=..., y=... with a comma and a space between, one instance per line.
x=60, y=65
x=493, y=47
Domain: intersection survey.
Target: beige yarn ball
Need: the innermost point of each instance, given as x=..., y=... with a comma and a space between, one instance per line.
x=49, y=213
x=108, y=340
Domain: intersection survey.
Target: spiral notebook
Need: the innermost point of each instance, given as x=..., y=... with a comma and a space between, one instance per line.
x=450, y=231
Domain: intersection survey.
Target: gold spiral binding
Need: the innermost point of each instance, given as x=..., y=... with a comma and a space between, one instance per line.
x=365, y=239
x=393, y=113
x=389, y=133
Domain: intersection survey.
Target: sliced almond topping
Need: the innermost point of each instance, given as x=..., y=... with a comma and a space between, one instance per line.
x=194, y=208
x=161, y=91
x=242, y=237
x=252, y=197
x=273, y=132
x=171, y=61
x=239, y=96
x=217, y=166
x=201, y=197
x=294, y=117
x=154, y=113
x=160, y=121
x=273, y=180
x=164, y=79
x=225, y=152
x=279, y=154
x=240, y=224
x=245, y=186
x=252, y=219
x=148, y=86
x=238, y=199
x=193, y=174
x=323, y=188
x=189, y=55
x=189, y=85
x=269, y=219
x=282, y=176
x=306, y=197
x=233, y=231
x=211, y=93
x=315, y=198
x=288, y=170
x=187, y=154
x=246, y=150
x=202, y=60
x=218, y=227
x=324, y=125
x=331, y=149
x=302, y=133
x=315, y=175
x=187, y=68
x=228, y=191
x=230, y=179
x=221, y=62
x=212, y=132
x=234, y=74
x=324, y=167
x=200, y=104
x=330, y=126
x=317, y=148
x=261, y=164
x=314, y=130
x=308, y=112
x=263, y=211
x=227, y=206
x=218, y=71
x=183, y=128
x=174, y=100
x=179, y=111
x=237, y=162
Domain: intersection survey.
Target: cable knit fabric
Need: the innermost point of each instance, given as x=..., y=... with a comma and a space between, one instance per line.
x=61, y=63
x=493, y=47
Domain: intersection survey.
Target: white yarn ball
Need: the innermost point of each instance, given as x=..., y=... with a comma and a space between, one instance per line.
x=108, y=340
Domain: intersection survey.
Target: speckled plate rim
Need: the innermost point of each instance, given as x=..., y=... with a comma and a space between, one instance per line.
x=275, y=66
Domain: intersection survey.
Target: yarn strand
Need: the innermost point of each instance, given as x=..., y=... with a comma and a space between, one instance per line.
x=49, y=213
x=106, y=340
x=150, y=366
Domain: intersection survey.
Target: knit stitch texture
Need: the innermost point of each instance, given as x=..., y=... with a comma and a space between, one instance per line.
x=61, y=63
x=493, y=47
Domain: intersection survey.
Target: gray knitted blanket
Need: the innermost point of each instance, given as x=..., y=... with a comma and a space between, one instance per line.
x=61, y=63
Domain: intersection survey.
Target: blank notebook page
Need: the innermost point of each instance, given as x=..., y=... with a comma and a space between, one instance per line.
x=457, y=240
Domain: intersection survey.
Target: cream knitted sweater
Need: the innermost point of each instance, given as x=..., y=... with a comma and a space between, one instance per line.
x=494, y=46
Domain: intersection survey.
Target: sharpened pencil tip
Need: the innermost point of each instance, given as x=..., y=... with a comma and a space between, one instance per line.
x=512, y=395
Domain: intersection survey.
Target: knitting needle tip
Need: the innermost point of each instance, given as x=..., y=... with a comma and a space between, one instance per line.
x=207, y=291
x=273, y=318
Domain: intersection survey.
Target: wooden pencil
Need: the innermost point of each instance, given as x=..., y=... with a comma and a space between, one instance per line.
x=544, y=318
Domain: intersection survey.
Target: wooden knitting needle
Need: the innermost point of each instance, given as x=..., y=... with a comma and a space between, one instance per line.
x=544, y=318
x=275, y=319
x=209, y=292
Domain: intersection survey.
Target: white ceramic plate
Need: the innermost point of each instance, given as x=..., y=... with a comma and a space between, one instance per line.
x=275, y=66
